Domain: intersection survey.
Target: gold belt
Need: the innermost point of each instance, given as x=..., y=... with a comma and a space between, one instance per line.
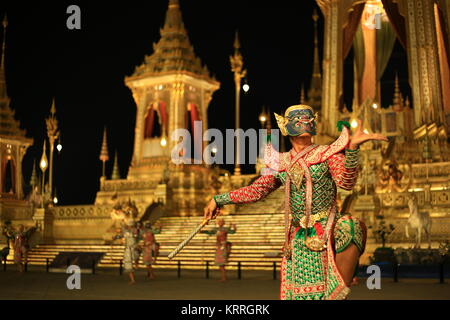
x=312, y=219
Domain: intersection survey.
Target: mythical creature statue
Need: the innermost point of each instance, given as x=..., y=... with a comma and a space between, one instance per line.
x=122, y=212
x=393, y=179
x=419, y=221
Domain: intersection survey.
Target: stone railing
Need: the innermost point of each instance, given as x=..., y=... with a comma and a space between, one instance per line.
x=83, y=211
x=439, y=170
x=123, y=184
x=435, y=198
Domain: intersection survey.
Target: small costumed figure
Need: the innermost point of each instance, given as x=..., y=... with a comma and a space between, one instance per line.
x=150, y=247
x=223, y=247
x=322, y=246
x=130, y=236
x=21, y=245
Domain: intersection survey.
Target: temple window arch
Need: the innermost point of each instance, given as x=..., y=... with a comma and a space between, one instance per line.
x=191, y=115
x=8, y=175
x=155, y=120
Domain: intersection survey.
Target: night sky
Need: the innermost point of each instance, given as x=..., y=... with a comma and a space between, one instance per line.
x=84, y=70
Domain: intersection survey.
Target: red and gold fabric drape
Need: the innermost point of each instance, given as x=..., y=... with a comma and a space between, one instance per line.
x=154, y=110
x=163, y=114
x=193, y=115
x=397, y=20
x=3, y=168
x=149, y=122
x=6, y=172
x=354, y=17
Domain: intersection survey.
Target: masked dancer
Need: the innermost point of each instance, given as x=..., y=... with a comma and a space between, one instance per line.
x=322, y=247
x=130, y=236
x=150, y=247
x=223, y=246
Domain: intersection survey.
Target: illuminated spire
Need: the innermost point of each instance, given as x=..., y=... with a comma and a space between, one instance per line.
x=302, y=94
x=397, y=101
x=33, y=178
x=5, y=24
x=104, y=156
x=3, y=93
x=116, y=173
x=315, y=88
x=9, y=126
x=173, y=53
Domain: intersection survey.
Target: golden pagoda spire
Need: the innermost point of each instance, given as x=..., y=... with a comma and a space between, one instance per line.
x=116, y=173
x=173, y=53
x=316, y=67
x=174, y=21
x=397, y=101
x=5, y=24
x=236, y=44
x=302, y=94
x=315, y=89
x=104, y=156
x=2, y=63
x=9, y=126
x=33, y=178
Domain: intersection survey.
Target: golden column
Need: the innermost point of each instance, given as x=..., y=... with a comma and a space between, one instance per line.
x=53, y=134
x=335, y=14
x=237, y=63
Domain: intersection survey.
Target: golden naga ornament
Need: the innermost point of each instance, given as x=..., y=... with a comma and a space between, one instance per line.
x=282, y=122
x=296, y=173
x=311, y=222
x=315, y=243
x=287, y=251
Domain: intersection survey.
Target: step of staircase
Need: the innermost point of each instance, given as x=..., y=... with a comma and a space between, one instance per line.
x=256, y=243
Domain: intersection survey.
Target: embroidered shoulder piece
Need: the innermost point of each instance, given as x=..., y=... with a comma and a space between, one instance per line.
x=279, y=161
x=275, y=160
x=337, y=146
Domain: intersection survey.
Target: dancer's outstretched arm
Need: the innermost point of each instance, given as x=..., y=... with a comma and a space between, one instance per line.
x=252, y=193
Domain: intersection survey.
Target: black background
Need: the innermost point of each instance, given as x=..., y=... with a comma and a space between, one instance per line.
x=84, y=70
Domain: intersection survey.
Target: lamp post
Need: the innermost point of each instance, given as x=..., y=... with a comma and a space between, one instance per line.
x=237, y=64
x=43, y=164
x=53, y=134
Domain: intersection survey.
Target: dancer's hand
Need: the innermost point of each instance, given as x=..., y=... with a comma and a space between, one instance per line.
x=210, y=210
x=359, y=137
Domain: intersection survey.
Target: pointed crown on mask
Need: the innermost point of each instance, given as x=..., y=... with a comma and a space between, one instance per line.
x=289, y=115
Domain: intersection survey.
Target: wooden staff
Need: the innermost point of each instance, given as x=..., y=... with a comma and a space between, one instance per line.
x=189, y=238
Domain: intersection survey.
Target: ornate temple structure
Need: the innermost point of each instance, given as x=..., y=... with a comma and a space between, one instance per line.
x=13, y=145
x=417, y=160
x=172, y=90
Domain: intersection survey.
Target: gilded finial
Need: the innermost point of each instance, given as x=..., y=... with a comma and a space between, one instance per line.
x=5, y=24
x=315, y=16
x=281, y=121
x=53, y=108
x=173, y=3
x=236, y=44
x=302, y=95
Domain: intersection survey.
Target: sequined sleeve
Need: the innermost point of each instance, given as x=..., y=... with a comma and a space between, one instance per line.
x=209, y=232
x=344, y=169
x=254, y=192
